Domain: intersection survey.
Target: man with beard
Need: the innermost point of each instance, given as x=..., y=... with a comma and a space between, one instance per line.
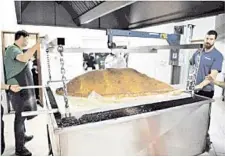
x=209, y=61
x=210, y=64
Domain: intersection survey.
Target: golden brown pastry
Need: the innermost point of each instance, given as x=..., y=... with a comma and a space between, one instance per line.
x=124, y=82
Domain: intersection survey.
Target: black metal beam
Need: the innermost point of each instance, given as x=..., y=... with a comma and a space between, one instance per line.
x=103, y=9
x=204, y=9
x=24, y=5
x=68, y=7
x=18, y=11
x=129, y=17
x=184, y=46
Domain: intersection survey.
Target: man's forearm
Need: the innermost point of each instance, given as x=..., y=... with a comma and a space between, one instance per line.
x=30, y=53
x=220, y=84
x=25, y=57
x=204, y=83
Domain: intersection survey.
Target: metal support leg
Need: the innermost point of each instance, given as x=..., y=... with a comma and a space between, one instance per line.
x=223, y=92
x=174, y=58
x=49, y=143
x=208, y=141
x=8, y=105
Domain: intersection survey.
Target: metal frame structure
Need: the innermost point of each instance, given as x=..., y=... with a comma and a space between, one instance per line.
x=172, y=39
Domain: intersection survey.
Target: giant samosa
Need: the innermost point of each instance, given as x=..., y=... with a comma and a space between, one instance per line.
x=125, y=82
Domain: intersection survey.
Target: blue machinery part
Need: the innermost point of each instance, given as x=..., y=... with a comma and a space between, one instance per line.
x=172, y=39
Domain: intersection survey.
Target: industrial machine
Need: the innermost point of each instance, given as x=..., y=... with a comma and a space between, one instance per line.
x=173, y=125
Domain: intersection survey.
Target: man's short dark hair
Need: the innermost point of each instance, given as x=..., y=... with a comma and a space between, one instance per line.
x=21, y=33
x=212, y=32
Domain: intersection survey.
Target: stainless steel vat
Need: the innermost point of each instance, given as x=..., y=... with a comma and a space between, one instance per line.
x=175, y=127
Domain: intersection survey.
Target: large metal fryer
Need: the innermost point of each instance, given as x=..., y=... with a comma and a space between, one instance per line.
x=173, y=127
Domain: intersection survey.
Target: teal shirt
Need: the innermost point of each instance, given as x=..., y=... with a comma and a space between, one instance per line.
x=12, y=66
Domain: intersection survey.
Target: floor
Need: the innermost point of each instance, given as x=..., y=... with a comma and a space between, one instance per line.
x=37, y=127
x=217, y=128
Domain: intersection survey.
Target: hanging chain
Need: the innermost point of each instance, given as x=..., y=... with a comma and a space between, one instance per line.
x=48, y=63
x=196, y=67
x=63, y=71
x=193, y=73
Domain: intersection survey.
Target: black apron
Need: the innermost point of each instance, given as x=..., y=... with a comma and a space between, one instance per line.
x=24, y=100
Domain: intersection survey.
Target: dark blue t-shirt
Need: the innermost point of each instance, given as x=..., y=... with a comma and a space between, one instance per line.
x=211, y=60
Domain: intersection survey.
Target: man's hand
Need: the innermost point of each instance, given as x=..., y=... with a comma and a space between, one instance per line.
x=210, y=78
x=15, y=88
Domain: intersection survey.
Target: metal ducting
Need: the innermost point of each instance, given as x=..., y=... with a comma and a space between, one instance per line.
x=113, y=14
